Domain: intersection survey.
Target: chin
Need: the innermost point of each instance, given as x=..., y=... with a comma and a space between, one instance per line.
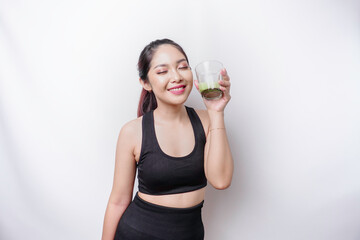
x=178, y=100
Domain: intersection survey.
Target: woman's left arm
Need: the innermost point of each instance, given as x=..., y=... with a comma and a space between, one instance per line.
x=218, y=163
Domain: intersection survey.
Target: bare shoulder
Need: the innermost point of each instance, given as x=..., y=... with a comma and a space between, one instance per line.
x=204, y=117
x=131, y=127
x=130, y=133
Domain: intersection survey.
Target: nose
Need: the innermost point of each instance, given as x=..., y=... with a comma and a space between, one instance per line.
x=176, y=76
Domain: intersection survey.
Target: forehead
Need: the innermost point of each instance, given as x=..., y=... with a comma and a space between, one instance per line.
x=166, y=54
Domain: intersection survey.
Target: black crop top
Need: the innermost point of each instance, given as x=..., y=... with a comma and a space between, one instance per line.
x=159, y=173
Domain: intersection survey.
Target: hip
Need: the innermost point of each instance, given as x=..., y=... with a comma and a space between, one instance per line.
x=145, y=220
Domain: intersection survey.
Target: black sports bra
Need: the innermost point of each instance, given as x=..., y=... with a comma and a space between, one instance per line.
x=159, y=173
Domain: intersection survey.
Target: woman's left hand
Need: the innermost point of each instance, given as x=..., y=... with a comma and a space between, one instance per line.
x=219, y=105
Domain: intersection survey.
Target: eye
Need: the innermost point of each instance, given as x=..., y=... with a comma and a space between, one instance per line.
x=184, y=67
x=162, y=72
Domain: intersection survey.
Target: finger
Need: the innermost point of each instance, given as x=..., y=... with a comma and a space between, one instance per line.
x=224, y=75
x=226, y=92
x=224, y=89
x=224, y=83
x=196, y=83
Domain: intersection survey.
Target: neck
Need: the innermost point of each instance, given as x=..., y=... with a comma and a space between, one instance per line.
x=170, y=113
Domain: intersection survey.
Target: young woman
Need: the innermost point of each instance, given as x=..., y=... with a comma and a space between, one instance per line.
x=175, y=148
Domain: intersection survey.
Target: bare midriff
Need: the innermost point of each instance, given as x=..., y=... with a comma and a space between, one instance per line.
x=178, y=200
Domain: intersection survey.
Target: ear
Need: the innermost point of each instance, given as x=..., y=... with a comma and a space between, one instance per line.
x=146, y=85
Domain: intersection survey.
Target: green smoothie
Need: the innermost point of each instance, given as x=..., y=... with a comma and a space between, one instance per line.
x=210, y=90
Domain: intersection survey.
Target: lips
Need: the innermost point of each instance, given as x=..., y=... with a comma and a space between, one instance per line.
x=179, y=89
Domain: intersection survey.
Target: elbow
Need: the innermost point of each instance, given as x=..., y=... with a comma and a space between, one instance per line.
x=119, y=202
x=220, y=180
x=221, y=185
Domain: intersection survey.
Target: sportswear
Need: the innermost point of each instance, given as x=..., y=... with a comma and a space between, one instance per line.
x=159, y=173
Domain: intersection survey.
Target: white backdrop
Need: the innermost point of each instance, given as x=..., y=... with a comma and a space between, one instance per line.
x=68, y=82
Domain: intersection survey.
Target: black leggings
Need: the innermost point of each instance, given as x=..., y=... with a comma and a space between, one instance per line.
x=148, y=221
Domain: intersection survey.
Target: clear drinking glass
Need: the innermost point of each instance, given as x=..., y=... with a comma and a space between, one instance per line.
x=208, y=75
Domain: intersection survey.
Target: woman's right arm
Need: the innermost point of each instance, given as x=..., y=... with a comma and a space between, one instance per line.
x=124, y=177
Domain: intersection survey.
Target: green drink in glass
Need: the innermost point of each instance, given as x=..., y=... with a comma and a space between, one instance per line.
x=208, y=75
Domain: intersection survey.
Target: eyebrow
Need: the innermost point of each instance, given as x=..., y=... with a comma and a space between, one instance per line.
x=164, y=65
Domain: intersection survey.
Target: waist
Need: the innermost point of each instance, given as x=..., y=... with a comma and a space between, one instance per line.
x=165, y=209
x=178, y=200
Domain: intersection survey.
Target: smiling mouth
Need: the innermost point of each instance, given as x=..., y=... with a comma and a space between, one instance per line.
x=176, y=89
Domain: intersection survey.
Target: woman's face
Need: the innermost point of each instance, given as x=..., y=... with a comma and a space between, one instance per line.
x=170, y=76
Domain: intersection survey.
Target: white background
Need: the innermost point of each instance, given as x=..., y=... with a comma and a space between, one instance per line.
x=68, y=82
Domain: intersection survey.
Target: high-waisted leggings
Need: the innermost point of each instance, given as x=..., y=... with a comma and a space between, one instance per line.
x=143, y=220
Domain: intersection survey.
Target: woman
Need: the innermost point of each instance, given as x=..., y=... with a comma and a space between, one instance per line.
x=175, y=148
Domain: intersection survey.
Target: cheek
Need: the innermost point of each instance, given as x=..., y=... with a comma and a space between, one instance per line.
x=157, y=81
x=190, y=83
x=190, y=80
x=189, y=76
x=190, y=87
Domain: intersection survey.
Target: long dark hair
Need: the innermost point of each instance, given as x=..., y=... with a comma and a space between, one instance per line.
x=147, y=99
